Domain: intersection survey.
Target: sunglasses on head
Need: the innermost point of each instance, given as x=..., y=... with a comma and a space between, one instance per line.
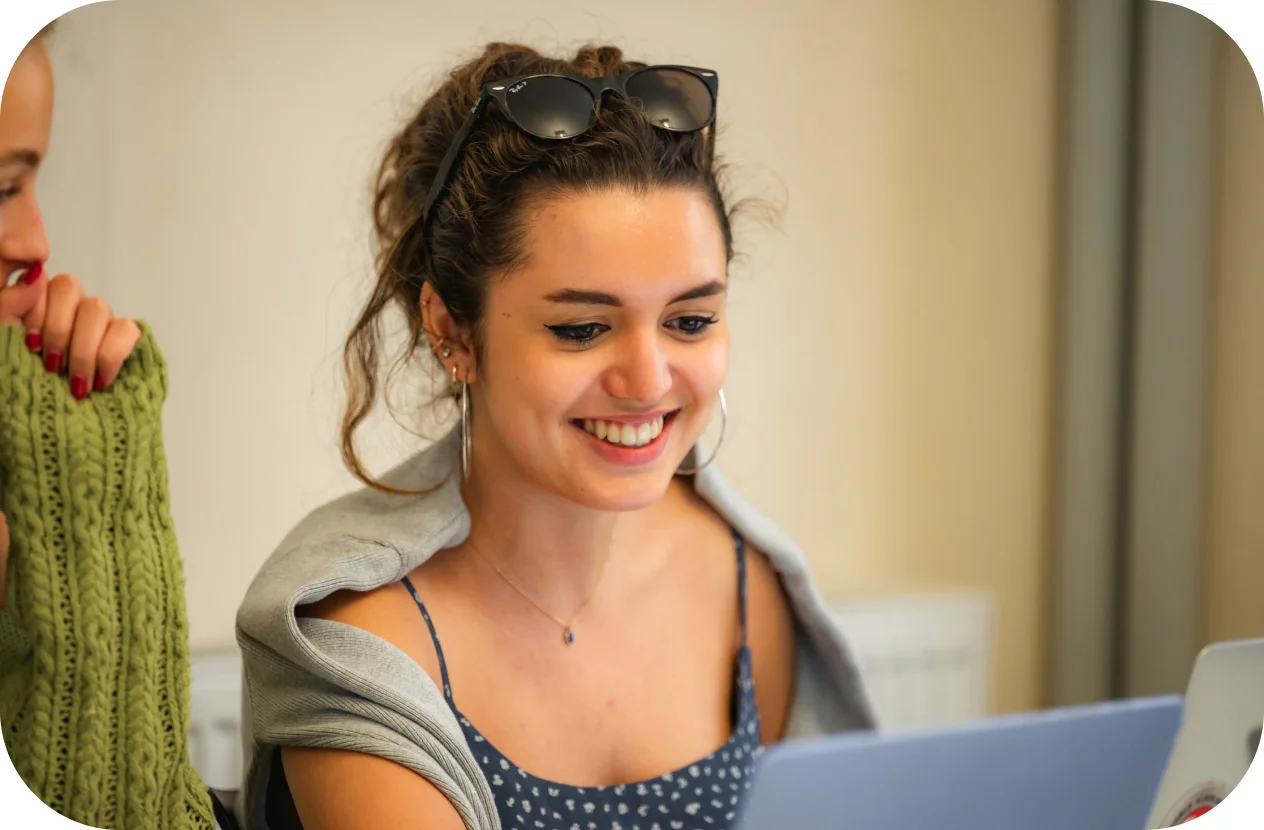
x=676, y=98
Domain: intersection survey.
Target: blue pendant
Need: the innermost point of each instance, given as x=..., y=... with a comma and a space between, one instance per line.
x=568, y=636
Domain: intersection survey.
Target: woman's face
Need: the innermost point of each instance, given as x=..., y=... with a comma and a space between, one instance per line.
x=26, y=117
x=613, y=330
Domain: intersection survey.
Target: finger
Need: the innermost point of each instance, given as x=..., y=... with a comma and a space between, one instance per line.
x=120, y=338
x=64, y=294
x=91, y=320
x=33, y=322
x=17, y=300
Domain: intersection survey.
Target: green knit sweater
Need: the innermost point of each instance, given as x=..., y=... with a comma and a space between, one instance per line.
x=94, y=656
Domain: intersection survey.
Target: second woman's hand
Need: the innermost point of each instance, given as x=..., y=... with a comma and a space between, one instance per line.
x=77, y=335
x=60, y=321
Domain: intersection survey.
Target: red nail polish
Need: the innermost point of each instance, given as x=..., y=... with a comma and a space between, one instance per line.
x=34, y=341
x=98, y=385
x=79, y=387
x=33, y=273
x=53, y=362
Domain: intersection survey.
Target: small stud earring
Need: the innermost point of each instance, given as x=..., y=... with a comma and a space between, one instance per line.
x=445, y=350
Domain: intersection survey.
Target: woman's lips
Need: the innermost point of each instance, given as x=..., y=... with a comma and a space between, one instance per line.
x=640, y=443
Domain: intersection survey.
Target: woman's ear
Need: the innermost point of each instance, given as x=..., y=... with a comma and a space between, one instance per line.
x=447, y=339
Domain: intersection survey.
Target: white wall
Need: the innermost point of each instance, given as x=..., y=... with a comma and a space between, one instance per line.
x=889, y=391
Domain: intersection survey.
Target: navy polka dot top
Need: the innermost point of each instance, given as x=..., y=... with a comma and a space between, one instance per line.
x=704, y=795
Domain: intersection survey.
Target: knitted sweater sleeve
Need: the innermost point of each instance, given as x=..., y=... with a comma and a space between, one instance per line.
x=94, y=662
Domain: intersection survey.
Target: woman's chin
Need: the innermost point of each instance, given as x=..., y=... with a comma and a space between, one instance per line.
x=622, y=493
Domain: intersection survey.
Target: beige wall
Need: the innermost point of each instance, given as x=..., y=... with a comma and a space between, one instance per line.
x=890, y=378
x=1235, y=518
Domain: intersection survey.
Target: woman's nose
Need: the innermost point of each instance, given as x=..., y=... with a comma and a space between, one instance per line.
x=22, y=236
x=641, y=374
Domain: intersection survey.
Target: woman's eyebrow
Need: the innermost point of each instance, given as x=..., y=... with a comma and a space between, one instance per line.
x=575, y=296
x=706, y=289
x=26, y=158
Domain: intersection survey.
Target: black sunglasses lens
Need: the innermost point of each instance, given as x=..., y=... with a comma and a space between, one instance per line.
x=551, y=106
x=673, y=99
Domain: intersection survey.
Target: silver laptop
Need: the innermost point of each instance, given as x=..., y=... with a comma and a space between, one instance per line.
x=1086, y=767
x=1224, y=713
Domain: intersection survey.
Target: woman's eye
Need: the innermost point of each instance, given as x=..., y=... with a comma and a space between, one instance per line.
x=587, y=333
x=8, y=193
x=584, y=333
x=692, y=325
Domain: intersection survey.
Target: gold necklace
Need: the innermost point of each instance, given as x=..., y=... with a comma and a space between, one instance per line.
x=568, y=628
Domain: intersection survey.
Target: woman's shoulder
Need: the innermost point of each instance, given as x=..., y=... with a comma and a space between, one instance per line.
x=387, y=611
x=770, y=633
x=326, y=605
x=767, y=539
x=828, y=691
x=327, y=660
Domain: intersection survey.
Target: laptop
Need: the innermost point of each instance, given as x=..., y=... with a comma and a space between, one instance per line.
x=1224, y=713
x=1089, y=767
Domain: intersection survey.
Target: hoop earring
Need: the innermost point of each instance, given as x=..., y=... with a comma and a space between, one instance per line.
x=724, y=423
x=465, y=425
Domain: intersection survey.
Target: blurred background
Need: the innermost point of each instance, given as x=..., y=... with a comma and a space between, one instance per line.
x=996, y=367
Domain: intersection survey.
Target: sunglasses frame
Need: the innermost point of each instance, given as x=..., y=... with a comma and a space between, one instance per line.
x=499, y=91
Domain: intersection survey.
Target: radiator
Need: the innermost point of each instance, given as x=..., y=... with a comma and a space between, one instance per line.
x=215, y=719
x=926, y=660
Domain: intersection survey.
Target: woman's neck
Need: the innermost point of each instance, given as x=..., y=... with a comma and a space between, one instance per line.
x=549, y=546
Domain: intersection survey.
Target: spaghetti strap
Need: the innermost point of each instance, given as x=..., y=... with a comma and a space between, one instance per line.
x=740, y=544
x=443, y=666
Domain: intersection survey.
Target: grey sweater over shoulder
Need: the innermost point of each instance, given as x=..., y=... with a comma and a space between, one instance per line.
x=312, y=682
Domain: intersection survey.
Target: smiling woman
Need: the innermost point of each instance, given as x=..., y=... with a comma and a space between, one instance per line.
x=94, y=674
x=24, y=135
x=559, y=615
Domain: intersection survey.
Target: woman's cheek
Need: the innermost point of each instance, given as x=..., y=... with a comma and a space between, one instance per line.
x=713, y=367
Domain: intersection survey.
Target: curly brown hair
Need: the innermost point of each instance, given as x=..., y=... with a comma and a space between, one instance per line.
x=477, y=231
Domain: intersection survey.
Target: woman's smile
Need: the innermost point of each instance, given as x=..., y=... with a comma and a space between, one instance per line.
x=628, y=440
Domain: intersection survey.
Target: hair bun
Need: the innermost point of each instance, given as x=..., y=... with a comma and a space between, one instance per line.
x=598, y=61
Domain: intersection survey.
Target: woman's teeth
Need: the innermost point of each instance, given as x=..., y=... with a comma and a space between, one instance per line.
x=625, y=435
